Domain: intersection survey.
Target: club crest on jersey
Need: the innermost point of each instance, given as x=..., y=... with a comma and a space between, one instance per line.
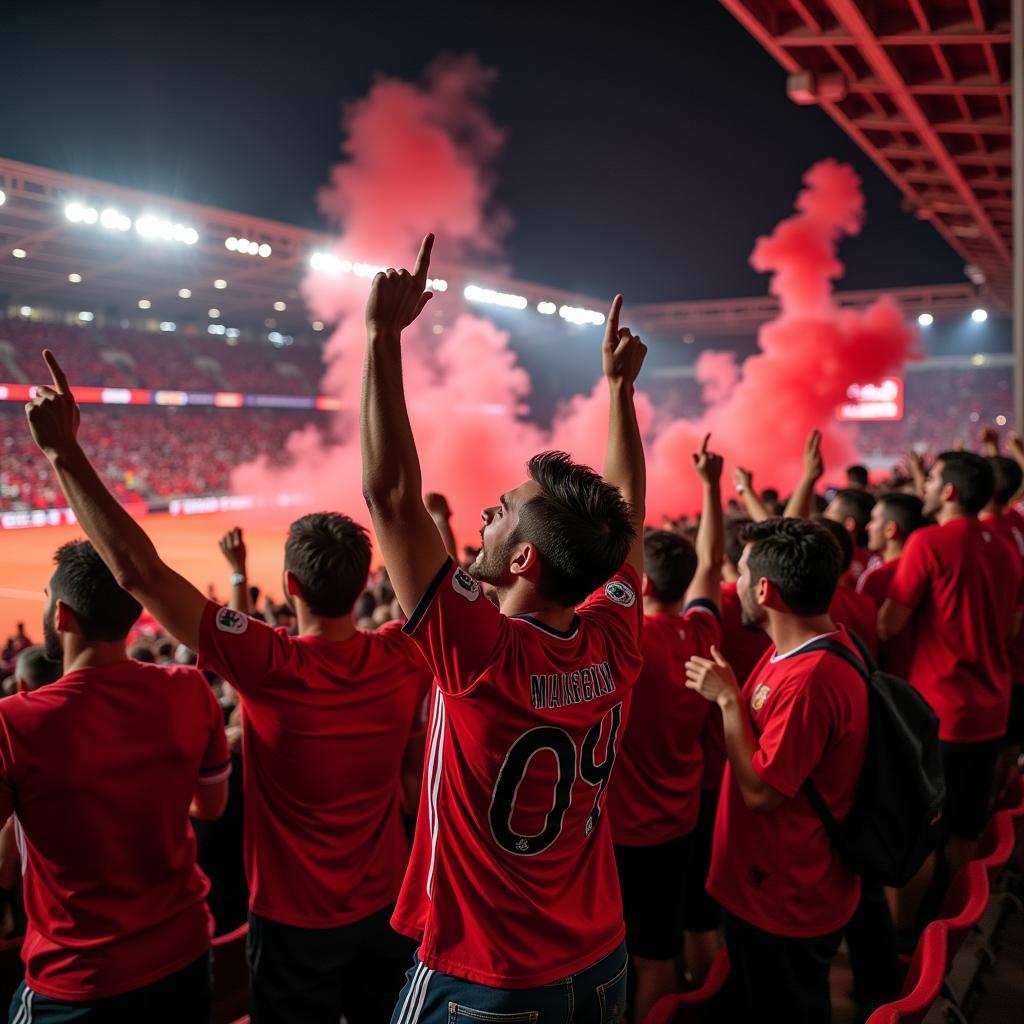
x=620, y=593
x=465, y=585
x=760, y=696
x=230, y=621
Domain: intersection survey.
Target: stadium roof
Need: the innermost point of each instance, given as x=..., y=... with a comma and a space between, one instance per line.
x=72, y=243
x=924, y=89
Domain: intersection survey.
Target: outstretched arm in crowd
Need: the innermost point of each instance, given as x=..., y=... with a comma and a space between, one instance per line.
x=714, y=680
x=707, y=580
x=622, y=355
x=53, y=417
x=232, y=547
x=800, y=504
x=918, y=473
x=392, y=483
x=744, y=481
x=437, y=506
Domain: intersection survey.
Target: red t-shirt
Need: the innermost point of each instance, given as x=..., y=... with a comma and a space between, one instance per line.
x=325, y=725
x=512, y=881
x=964, y=589
x=778, y=870
x=857, y=612
x=743, y=648
x=656, y=796
x=1010, y=526
x=861, y=562
x=895, y=655
x=101, y=767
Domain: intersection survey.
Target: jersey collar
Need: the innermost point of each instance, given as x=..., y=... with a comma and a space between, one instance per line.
x=561, y=634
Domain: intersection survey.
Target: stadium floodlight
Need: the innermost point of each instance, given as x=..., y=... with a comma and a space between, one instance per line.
x=75, y=278
x=114, y=220
x=280, y=306
x=489, y=297
x=437, y=284
x=231, y=244
x=925, y=319
x=325, y=263
x=220, y=283
x=365, y=269
x=978, y=359
x=85, y=316
x=184, y=293
x=216, y=329
x=3, y=197
x=547, y=308
x=318, y=325
x=149, y=225
x=26, y=310
x=144, y=303
x=979, y=316
x=265, y=250
x=168, y=325
x=579, y=315
x=19, y=254
x=232, y=332
x=1000, y=421
x=213, y=313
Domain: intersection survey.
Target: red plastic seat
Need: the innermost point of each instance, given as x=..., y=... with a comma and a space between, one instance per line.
x=995, y=847
x=692, y=1007
x=964, y=905
x=230, y=976
x=923, y=982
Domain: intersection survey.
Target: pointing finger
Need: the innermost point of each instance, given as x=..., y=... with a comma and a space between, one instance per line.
x=613, y=317
x=60, y=381
x=704, y=445
x=423, y=259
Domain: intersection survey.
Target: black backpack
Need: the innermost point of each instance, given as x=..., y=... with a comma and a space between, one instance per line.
x=896, y=818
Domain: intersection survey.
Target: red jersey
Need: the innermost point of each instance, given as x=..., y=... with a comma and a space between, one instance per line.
x=778, y=870
x=857, y=612
x=512, y=881
x=1010, y=526
x=861, y=562
x=964, y=589
x=325, y=725
x=656, y=796
x=743, y=648
x=895, y=655
x=100, y=768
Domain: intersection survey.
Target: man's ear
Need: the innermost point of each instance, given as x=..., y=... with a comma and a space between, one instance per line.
x=646, y=589
x=767, y=594
x=891, y=531
x=292, y=587
x=525, y=559
x=64, y=620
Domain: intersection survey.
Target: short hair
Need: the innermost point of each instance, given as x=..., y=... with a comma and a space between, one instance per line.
x=856, y=505
x=670, y=562
x=1008, y=478
x=33, y=668
x=799, y=558
x=82, y=581
x=329, y=554
x=842, y=537
x=905, y=510
x=972, y=478
x=580, y=525
x=857, y=474
x=734, y=530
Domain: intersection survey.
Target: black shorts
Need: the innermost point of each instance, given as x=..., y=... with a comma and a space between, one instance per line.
x=701, y=911
x=1015, y=726
x=653, y=880
x=969, y=769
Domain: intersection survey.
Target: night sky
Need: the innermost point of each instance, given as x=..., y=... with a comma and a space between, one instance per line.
x=646, y=149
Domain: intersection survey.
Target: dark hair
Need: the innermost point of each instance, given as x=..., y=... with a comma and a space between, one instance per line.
x=734, y=531
x=905, y=510
x=141, y=651
x=329, y=554
x=857, y=474
x=580, y=525
x=799, y=558
x=1009, y=478
x=35, y=669
x=972, y=478
x=842, y=537
x=83, y=582
x=669, y=563
x=856, y=505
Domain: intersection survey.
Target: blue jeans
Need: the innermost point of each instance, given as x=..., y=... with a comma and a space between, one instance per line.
x=595, y=995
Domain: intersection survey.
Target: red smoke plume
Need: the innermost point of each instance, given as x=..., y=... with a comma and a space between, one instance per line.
x=419, y=158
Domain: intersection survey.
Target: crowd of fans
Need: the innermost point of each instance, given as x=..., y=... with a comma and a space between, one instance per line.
x=615, y=748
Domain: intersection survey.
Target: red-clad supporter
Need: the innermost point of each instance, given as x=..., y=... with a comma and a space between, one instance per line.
x=742, y=645
x=655, y=802
x=893, y=519
x=851, y=508
x=512, y=883
x=802, y=716
x=857, y=612
x=960, y=585
x=327, y=718
x=103, y=767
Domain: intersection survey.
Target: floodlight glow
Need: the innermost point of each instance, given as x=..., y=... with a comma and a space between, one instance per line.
x=318, y=325
x=1000, y=421
x=231, y=243
x=979, y=316
x=280, y=306
x=26, y=310
x=547, y=308
x=3, y=197
x=233, y=332
x=168, y=325
x=578, y=315
x=365, y=269
x=977, y=359
x=216, y=329
x=437, y=284
x=474, y=293
x=346, y=266
x=275, y=338
x=213, y=313
x=220, y=283
x=85, y=316
x=114, y=220
x=326, y=263
x=184, y=293
x=19, y=254
x=75, y=278
x=151, y=226
x=144, y=303
x=265, y=250
x=925, y=320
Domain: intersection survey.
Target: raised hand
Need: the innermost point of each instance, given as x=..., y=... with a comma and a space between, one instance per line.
x=53, y=415
x=708, y=464
x=622, y=353
x=988, y=438
x=398, y=297
x=232, y=547
x=742, y=478
x=814, y=464
x=437, y=505
x=713, y=678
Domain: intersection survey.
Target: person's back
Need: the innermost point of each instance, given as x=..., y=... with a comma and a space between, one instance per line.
x=858, y=613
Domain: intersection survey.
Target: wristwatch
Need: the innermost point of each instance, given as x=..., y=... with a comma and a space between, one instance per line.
x=237, y=579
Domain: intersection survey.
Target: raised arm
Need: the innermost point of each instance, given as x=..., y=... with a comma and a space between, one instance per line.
x=744, y=481
x=392, y=483
x=918, y=473
x=437, y=506
x=232, y=547
x=622, y=355
x=53, y=417
x=800, y=504
x=707, y=580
